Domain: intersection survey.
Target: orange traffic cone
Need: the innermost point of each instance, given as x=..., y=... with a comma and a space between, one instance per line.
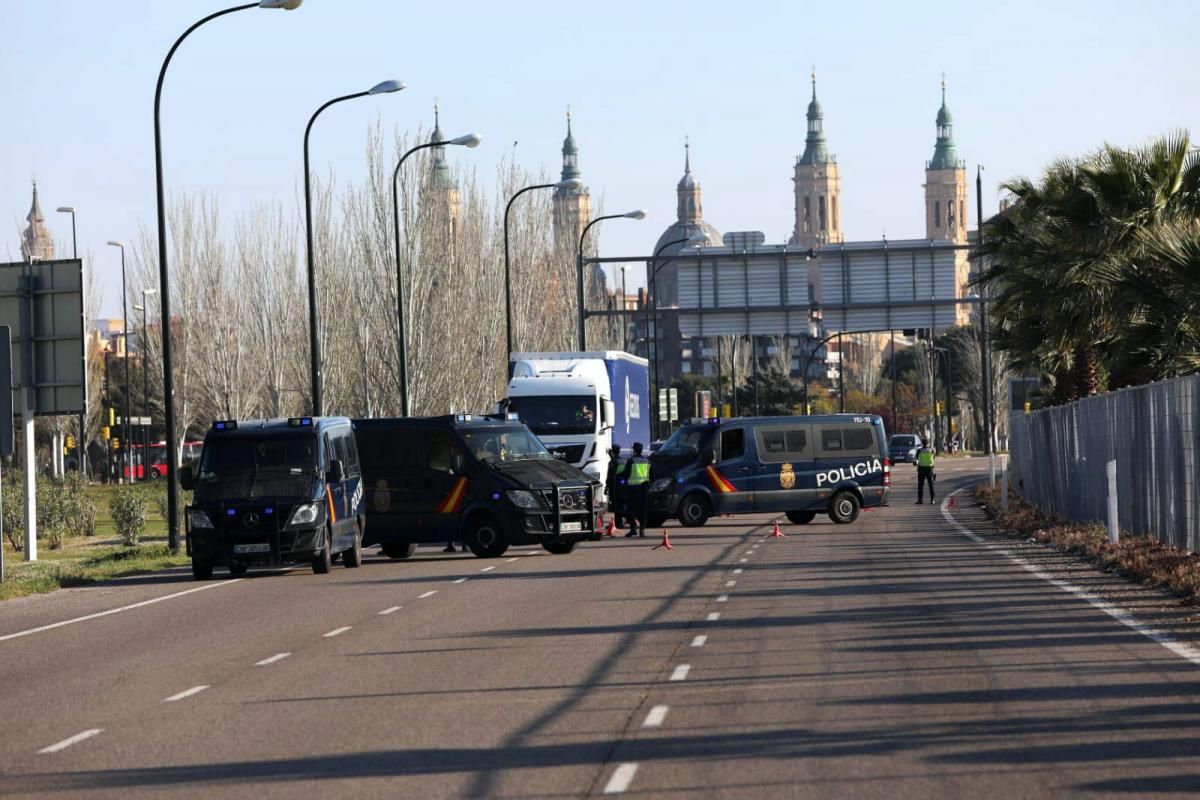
x=666, y=542
x=776, y=533
x=611, y=530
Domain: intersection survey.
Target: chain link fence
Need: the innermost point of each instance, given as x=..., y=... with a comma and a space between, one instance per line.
x=1059, y=457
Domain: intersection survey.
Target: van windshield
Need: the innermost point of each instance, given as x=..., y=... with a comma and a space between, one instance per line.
x=904, y=441
x=293, y=454
x=685, y=441
x=490, y=445
x=556, y=415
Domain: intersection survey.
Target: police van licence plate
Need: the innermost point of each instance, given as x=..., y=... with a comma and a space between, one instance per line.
x=570, y=526
x=257, y=547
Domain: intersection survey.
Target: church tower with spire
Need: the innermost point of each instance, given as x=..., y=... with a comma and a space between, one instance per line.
x=818, y=185
x=945, y=184
x=572, y=209
x=36, y=242
x=442, y=189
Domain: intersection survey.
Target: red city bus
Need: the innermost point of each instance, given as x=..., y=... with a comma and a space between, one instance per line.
x=189, y=452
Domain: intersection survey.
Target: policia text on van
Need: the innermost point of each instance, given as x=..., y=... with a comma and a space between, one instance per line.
x=801, y=466
x=485, y=482
x=274, y=492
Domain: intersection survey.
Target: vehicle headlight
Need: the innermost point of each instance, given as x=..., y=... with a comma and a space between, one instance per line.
x=305, y=514
x=198, y=518
x=523, y=499
x=660, y=485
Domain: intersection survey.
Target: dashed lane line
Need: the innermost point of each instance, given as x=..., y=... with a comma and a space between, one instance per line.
x=743, y=560
x=681, y=672
x=722, y=598
x=462, y=580
x=487, y=569
x=655, y=718
x=621, y=778
x=391, y=610
x=76, y=739
x=713, y=616
x=430, y=593
x=272, y=659
x=129, y=607
x=337, y=632
x=738, y=571
x=512, y=560
x=699, y=640
x=186, y=693
x=730, y=584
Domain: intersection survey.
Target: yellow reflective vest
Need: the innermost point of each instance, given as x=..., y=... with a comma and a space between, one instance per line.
x=925, y=457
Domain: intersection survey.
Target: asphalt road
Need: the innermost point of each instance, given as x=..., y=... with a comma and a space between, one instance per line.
x=895, y=658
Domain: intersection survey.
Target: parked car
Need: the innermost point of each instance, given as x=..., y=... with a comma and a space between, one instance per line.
x=903, y=447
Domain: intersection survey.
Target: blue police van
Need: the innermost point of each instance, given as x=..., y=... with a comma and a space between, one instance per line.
x=274, y=492
x=801, y=466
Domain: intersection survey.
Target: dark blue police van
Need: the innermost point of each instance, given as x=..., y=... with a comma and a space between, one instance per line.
x=275, y=492
x=800, y=466
x=486, y=482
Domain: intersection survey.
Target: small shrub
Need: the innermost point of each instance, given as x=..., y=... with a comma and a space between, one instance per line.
x=12, y=495
x=128, y=510
x=52, y=512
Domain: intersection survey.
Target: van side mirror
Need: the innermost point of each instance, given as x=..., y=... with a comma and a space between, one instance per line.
x=187, y=479
x=335, y=473
x=708, y=457
x=456, y=463
x=608, y=415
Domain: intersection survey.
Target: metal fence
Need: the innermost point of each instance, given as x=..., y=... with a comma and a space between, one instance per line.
x=1059, y=457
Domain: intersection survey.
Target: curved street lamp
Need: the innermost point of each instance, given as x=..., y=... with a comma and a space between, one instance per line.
x=386, y=87
x=164, y=274
x=80, y=449
x=570, y=183
x=470, y=140
x=695, y=240
x=638, y=214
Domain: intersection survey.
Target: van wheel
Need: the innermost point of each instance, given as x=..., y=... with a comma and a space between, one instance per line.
x=237, y=569
x=485, y=538
x=398, y=551
x=694, y=510
x=201, y=570
x=353, y=557
x=843, y=507
x=323, y=560
x=801, y=517
x=559, y=547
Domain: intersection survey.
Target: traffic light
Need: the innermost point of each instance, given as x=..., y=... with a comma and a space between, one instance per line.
x=938, y=405
x=112, y=417
x=1028, y=406
x=70, y=443
x=116, y=443
x=105, y=432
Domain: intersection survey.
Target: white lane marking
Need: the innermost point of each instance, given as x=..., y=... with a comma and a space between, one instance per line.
x=272, y=659
x=129, y=607
x=511, y=560
x=186, y=693
x=699, y=641
x=621, y=778
x=743, y=560
x=462, y=580
x=738, y=571
x=430, y=593
x=76, y=739
x=722, y=598
x=1180, y=649
x=487, y=569
x=391, y=610
x=681, y=672
x=713, y=616
x=731, y=584
x=655, y=718
x=337, y=631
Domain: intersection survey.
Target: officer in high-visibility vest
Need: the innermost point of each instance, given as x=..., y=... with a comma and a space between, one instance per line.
x=637, y=481
x=924, y=471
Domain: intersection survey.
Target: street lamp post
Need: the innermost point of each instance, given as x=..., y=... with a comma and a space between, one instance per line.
x=81, y=449
x=125, y=451
x=146, y=294
x=808, y=363
x=638, y=214
x=624, y=311
x=313, y=325
x=164, y=274
x=570, y=183
x=470, y=140
x=985, y=357
x=695, y=240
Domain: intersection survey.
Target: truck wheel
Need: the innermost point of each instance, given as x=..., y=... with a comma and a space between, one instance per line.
x=843, y=507
x=323, y=560
x=801, y=517
x=201, y=570
x=485, y=538
x=558, y=547
x=237, y=569
x=352, y=558
x=398, y=551
x=694, y=510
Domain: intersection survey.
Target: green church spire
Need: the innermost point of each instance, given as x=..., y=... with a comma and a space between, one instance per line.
x=944, y=154
x=570, y=153
x=815, y=151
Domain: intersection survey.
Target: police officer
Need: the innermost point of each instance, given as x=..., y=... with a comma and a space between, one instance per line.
x=924, y=471
x=612, y=485
x=637, y=481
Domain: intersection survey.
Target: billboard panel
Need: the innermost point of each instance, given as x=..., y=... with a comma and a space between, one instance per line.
x=43, y=304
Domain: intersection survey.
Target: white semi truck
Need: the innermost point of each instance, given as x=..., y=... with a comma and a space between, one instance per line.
x=581, y=404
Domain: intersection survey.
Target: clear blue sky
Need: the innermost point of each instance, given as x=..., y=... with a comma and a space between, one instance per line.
x=1029, y=81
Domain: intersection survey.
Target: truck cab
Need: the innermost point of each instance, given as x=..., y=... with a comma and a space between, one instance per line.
x=274, y=492
x=486, y=482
